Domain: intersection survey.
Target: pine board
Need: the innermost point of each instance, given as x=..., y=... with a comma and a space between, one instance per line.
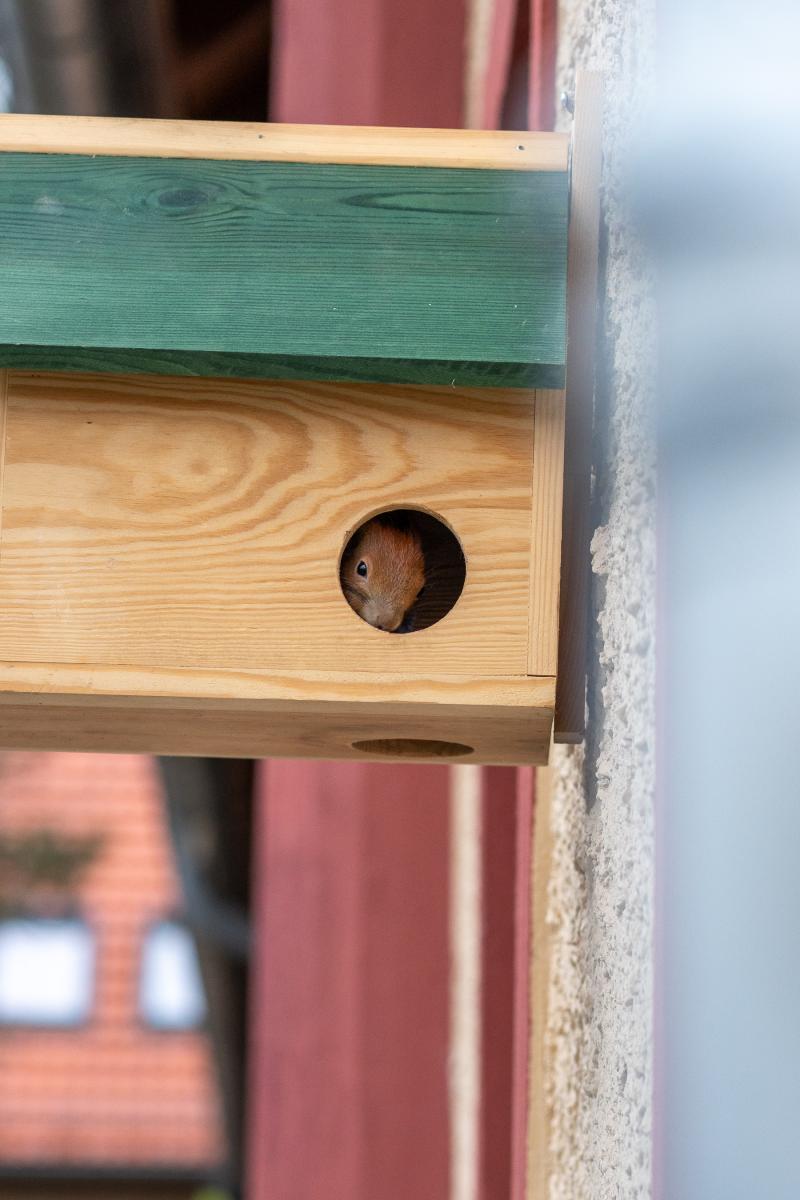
x=166, y=523
x=313, y=729
x=256, y=141
x=281, y=269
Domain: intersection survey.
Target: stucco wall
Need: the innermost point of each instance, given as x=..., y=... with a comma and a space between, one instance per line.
x=600, y=894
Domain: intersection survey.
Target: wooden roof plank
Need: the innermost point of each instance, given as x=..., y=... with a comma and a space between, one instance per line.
x=211, y=266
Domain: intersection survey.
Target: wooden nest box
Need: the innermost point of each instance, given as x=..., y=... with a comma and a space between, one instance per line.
x=223, y=349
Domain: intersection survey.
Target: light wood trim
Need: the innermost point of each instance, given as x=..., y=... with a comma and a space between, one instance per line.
x=539, y=1115
x=582, y=309
x=71, y=683
x=250, y=141
x=546, y=506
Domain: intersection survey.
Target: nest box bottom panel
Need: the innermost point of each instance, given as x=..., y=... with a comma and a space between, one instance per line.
x=173, y=554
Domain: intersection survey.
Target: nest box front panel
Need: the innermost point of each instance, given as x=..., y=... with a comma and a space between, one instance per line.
x=168, y=523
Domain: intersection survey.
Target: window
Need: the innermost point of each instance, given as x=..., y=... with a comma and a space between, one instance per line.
x=46, y=971
x=170, y=989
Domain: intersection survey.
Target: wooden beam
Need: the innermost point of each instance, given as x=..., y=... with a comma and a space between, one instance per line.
x=270, y=269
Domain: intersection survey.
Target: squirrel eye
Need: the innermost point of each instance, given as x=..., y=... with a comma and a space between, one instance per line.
x=361, y=569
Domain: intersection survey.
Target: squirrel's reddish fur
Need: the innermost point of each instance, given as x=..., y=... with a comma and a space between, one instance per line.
x=395, y=574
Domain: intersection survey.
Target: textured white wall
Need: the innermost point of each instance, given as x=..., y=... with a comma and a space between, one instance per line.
x=600, y=897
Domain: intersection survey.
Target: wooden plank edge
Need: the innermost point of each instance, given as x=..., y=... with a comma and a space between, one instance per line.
x=115, y=733
x=255, y=142
x=365, y=732
x=221, y=365
x=582, y=276
x=73, y=683
x=547, y=488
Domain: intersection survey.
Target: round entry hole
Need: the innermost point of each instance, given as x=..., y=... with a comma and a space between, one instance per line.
x=402, y=570
x=412, y=748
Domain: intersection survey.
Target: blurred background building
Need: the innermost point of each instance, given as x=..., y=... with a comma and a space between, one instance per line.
x=158, y=58
x=123, y=950
x=105, y=1067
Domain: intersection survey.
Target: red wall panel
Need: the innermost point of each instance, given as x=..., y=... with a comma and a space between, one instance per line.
x=369, y=62
x=349, y=1045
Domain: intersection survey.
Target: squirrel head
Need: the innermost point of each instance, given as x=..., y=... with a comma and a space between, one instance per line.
x=383, y=573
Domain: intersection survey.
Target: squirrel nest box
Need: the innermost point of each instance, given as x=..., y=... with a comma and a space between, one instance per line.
x=224, y=350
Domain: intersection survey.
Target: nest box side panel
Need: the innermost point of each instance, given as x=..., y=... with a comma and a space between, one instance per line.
x=283, y=269
x=546, y=532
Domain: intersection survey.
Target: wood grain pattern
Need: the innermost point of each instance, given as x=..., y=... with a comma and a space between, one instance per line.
x=584, y=233
x=154, y=522
x=260, y=264
x=548, y=479
x=311, y=728
x=169, y=555
x=251, y=141
x=71, y=684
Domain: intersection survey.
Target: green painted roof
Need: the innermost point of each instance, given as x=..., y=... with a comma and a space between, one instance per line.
x=283, y=270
